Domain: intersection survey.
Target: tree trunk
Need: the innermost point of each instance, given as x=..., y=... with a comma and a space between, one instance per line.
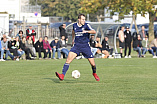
x=151, y=26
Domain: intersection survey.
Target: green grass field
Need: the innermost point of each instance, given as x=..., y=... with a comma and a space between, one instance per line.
x=122, y=81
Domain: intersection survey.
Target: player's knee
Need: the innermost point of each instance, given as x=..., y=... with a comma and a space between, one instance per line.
x=68, y=61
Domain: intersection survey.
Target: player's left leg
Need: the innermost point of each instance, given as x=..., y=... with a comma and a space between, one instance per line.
x=91, y=61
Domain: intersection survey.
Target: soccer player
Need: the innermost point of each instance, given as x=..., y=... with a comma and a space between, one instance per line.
x=81, y=32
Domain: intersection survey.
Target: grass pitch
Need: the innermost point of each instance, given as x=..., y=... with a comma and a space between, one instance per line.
x=122, y=81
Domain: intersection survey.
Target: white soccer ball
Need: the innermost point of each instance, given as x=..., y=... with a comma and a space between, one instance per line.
x=76, y=74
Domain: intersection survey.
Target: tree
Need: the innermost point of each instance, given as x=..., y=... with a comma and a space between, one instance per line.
x=64, y=8
x=124, y=7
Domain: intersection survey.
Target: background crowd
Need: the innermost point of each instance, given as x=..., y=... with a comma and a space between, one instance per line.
x=25, y=47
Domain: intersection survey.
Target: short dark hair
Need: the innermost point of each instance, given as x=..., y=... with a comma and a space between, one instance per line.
x=46, y=37
x=79, y=16
x=20, y=31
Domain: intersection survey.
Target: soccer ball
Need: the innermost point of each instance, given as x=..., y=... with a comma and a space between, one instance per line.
x=76, y=74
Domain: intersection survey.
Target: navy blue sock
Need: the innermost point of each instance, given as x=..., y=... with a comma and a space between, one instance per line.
x=65, y=68
x=94, y=69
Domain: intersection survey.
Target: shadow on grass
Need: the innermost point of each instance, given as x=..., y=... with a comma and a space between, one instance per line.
x=56, y=80
x=145, y=98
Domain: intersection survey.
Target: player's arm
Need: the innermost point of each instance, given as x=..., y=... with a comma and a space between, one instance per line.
x=89, y=30
x=120, y=33
x=73, y=36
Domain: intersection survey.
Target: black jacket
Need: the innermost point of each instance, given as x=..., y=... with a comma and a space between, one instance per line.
x=62, y=32
x=128, y=38
x=105, y=45
x=92, y=43
x=38, y=45
x=136, y=42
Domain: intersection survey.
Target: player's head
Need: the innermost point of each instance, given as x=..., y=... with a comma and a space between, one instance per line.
x=64, y=25
x=106, y=38
x=81, y=19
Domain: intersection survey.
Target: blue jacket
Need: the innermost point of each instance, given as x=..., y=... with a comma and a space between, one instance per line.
x=0, y=45
x=55, y=44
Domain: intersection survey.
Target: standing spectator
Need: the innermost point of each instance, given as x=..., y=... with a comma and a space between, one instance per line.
x=27, y=50
x=30, y=45
x=128, y=39
x=47, y=47
x=145, y=44
x=142, y=33
x=63, y=46
x=63, y=31
x=92, y=43
x=20, y=35
x=121, y=40
x=106, y=48
x=153, y=45
x=30, y=33
x=55, y=45
x=39, y=47
x=4, y=48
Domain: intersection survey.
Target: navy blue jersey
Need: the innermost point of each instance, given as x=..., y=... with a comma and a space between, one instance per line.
x=81, y=38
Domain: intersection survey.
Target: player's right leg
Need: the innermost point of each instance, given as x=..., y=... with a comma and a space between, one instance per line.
x=70, y=58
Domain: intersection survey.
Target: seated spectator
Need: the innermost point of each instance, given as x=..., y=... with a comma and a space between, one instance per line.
x=13, y=49
x=153, y=45
x=47, y=47
x=106, y=48
x=63, y=46
x=30, y=45
x=145, y=44
x=98, y=43
x=16, y=43
x=20, y=35
x=39, y=47
x=55, y=45
x=27, y=50
x=92, y=43
x=137, y=45
x=4, y=48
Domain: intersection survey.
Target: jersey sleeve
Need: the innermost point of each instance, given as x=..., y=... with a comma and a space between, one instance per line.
x=73, y=26
x=89, y=27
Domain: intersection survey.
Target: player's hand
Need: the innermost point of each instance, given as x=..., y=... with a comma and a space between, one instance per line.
x=51, y=51
x=46, y=50
x=84, y=31
x=72, y=43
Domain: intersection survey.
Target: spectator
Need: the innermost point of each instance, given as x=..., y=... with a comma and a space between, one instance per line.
x=121, y=40
x=39, y=47
x=20, y=35
x=106, y=48
x=63, y=31
x=142, y=33
x=13, y=49
x=17, y=45
x=47, y=47
x=30, y=33
x=145, y=44
x=128, y=39
x=137, y=46
x=55, y=45
x=153, y=45
x=27, y=50
x=63, y=46
x=92, y=43
x=98, y=43
x=4, y=48
x=30, y=44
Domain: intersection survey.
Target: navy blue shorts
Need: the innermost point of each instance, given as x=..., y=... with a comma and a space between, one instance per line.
x=84, y=49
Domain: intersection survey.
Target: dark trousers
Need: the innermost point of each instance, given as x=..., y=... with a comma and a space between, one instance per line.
x=39, y=50
x=27, y=52
x=127, y=45
x=14, y=51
